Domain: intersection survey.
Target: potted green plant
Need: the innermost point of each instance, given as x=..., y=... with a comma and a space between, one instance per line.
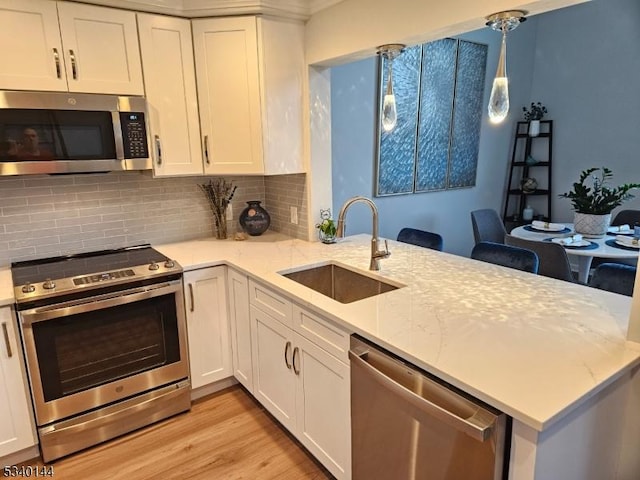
x=593, y=200
x=327, y=227
x=533, y=115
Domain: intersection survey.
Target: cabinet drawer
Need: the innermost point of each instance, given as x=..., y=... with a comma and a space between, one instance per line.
x=324, y=333
x=270, y=302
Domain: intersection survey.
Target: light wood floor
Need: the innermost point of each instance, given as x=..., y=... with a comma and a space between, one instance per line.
x=227, y=435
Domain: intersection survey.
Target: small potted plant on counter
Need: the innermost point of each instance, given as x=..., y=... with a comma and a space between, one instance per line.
x=327, y=227
x=533, y=115
x=593, y=203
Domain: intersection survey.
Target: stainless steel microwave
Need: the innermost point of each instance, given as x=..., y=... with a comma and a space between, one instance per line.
x=53, y=133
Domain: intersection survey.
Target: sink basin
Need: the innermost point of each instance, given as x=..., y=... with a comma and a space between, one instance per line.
x=340, y=283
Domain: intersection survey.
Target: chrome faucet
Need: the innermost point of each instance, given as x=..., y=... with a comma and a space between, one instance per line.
x=376, y=254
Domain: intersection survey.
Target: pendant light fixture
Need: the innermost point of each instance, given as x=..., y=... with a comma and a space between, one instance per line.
x=389, y=110
x=499, y=101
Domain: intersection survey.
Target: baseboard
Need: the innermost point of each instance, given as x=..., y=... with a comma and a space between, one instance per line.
x=20, y=456
x=212, y=388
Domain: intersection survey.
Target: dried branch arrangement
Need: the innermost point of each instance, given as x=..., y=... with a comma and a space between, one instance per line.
x=220, y=193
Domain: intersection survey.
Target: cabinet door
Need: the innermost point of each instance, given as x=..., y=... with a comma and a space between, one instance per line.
x=16, y=430
x=323, y=422
x=240, y=323
x=226, y=51
x=101, y=49
x=170, y=84
x=31, y=46
x=273, y=378
x=207, y=326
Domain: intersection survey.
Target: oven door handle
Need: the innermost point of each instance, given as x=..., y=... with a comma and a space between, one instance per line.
x=91, y=304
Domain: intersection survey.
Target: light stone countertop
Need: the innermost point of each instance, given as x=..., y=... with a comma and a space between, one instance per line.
x=531, y=346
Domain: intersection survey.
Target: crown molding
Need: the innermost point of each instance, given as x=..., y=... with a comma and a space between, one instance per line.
x=294, y=9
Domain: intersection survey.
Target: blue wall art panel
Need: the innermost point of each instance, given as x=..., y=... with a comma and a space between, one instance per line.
x=467, y=114
x=397, y=149
x=436, y=107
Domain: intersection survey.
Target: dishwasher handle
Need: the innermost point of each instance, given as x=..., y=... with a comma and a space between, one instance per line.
x=479, y=426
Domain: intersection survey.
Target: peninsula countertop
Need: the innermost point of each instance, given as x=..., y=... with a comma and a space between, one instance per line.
x=531, y=346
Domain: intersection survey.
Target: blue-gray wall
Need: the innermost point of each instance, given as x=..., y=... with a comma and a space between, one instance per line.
x=588, y=80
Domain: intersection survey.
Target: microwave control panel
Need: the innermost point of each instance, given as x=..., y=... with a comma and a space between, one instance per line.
x=134, y=135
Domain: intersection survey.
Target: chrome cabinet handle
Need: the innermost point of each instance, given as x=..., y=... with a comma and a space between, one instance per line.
x=158, y=149
x=286, y=358
x=6, y=339
x=56, y=58
x=193, y=303
x=296, y=370
x=206, y=149
x=74, y=67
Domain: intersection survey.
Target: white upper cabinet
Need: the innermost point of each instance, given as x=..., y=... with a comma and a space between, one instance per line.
x=72, y=47
x=101, y=49
x=170, y=84
x=249, y=72
x=31, y=46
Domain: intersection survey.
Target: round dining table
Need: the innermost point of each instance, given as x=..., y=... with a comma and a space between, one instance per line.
x=584, y=256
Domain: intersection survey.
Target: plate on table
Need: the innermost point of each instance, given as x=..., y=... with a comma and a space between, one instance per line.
x=616, y=244
x=621, y=232
x=581, y=245
x=531, y=228
x=635, y=245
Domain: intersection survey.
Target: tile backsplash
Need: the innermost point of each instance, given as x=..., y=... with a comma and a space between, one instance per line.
x=42, y=216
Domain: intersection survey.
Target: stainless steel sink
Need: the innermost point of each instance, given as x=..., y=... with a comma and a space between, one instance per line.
x=340, y=283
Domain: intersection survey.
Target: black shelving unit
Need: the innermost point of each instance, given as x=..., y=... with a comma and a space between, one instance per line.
x=539, y=148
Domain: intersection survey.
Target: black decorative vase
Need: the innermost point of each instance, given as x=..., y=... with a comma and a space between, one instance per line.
x=254, y=219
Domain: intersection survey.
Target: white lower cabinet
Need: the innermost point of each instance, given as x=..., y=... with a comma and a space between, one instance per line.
x=240, y=324
x=305, y=388
x=16, y=425
x=207, y=325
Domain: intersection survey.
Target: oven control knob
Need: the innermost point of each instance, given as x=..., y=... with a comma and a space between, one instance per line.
x=154, y=266
x=169, y=264
x=48, y=284
x=28, y=288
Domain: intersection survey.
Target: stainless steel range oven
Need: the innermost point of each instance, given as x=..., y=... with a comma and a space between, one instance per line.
x=104, y=335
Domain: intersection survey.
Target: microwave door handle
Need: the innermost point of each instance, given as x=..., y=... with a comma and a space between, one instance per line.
x=158, y=149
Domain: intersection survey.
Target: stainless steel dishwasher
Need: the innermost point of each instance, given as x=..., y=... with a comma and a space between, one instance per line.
x=407, y=425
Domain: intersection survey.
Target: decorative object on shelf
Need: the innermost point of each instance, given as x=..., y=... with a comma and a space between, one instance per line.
x=530, y=160
x=533, y=115
x=529, y=185
x=527, y=213
x=327, y=227
x=254, y=219
x=499, y=101
x=389, y=110
x=219, y=192
x=593, y=204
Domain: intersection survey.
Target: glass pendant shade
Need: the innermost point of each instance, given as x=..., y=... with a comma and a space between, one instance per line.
x=499, y=100
x=389, y=115
x=389, y=110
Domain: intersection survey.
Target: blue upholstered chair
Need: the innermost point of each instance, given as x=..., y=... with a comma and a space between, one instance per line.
x=553, y=258
x=487, y=226
x=506, y=255
x=421, y=238
x=614, y=277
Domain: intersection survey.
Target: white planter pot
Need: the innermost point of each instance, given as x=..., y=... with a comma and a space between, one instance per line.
x=594, y=226
x=534, y=128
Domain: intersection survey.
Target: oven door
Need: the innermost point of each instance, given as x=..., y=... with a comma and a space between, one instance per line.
x=88, y=353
